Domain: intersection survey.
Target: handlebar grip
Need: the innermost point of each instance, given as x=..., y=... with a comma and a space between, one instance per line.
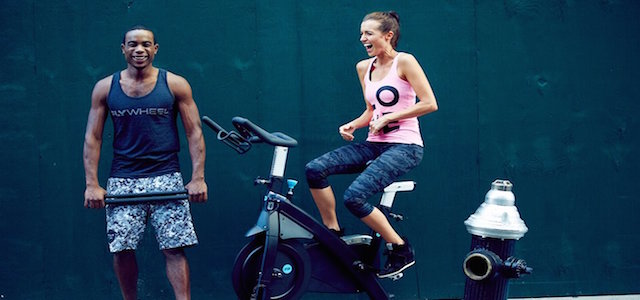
x=216, y=128
x=248, y=129
x=232, y=139
x=146, y=197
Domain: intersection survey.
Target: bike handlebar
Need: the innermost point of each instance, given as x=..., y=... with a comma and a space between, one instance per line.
x=249, y=133
x=255, y=134
x=232, y=139
x=216, y=128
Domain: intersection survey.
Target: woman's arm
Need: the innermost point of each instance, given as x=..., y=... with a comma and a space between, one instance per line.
x=346, y=130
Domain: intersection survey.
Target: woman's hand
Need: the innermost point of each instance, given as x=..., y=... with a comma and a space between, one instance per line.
x=346, y=131
x=377, y=124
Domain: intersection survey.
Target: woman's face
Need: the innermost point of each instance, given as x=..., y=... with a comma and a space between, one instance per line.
x=374, y=40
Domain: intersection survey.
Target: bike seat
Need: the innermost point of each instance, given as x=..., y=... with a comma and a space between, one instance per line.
x=400, y=186
x=390, y=191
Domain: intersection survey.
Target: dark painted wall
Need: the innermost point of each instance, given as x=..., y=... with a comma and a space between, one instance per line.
x=543, y=93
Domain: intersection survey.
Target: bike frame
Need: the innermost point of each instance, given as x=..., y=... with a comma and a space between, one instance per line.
x=281, y=219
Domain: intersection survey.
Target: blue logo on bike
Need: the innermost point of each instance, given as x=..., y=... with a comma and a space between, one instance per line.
x=287, y=269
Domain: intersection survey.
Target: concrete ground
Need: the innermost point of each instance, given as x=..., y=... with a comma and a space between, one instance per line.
x=617, y=297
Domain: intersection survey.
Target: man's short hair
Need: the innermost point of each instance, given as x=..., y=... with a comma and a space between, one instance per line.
x=138, y=27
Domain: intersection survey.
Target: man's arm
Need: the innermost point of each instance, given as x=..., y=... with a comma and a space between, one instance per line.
x=94, y=193
x=181, y=89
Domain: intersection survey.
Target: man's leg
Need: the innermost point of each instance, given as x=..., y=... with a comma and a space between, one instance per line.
x=125, y=228
x=178, y=272
x=174, y=231
x=126, y=269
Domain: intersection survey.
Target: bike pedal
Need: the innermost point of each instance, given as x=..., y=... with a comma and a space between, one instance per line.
x=397, y=276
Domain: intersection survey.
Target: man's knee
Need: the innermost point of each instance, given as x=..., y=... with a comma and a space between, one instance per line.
x=125, y=260
x=174, y=253
x=125, y=254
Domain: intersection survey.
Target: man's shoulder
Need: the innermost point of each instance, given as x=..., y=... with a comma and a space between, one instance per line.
x=108, y=79
x=103, y=85
x=176, y=82
x=174, y=78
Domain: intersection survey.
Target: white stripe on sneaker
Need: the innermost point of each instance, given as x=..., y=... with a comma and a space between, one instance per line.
x=398, y=271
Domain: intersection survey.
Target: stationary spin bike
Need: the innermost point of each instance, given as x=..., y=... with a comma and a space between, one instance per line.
x=291, y=253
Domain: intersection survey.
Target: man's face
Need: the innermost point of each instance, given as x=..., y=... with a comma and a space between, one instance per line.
x=139, y=48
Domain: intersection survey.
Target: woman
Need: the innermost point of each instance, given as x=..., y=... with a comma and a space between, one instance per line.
x=390, y=81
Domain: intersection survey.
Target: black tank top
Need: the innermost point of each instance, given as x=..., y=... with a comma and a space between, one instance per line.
x=145, y=141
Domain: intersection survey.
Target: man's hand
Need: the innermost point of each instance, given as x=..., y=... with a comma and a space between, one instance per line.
x=94, y=197
x=197, y=190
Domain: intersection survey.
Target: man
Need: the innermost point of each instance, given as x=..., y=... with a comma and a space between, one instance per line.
x=143, y=102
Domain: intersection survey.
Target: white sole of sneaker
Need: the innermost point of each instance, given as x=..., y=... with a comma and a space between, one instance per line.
x=397, y=272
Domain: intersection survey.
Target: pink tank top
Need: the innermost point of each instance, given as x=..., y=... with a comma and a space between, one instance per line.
x=388, y=95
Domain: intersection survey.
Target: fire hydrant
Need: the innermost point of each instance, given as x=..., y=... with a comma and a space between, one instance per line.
x=495, y=227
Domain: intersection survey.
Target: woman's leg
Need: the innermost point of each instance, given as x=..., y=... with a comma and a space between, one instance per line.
x=348, y=159
x=326, y=203
x=395, y=161
x=377, y=221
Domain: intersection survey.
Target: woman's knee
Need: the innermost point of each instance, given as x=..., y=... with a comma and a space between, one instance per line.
x=358, y=206
x=316, y=177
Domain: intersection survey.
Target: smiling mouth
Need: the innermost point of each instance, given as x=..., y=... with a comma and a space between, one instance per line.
x=368, y=46
x=140, y=58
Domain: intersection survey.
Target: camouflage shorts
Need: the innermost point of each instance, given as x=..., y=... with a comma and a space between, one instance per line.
x=171, y=219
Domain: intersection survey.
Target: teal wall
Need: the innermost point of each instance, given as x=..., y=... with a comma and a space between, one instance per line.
x=543, y=93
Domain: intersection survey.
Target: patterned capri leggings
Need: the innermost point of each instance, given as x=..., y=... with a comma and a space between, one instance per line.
x=388, y=162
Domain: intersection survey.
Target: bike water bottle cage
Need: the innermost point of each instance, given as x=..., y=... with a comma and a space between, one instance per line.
x=230, y=138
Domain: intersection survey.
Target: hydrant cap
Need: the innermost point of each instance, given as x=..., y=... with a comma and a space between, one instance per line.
x=498, y=216
x=502, y=185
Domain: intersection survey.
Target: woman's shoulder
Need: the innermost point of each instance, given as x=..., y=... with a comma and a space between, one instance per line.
x=363, y=64
x=404, y=58
x=407, y=63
